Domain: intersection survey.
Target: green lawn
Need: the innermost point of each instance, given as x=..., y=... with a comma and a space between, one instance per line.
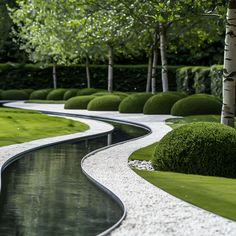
x=176, y=122
x=18, y=126
x=215, y=194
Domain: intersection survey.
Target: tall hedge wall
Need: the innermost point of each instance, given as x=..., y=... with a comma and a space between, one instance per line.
x=194, y=79
x=126, y=78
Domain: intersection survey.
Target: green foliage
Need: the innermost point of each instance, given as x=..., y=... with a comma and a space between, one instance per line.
x=126, y=77
x=56, y=94
x=14, y=94
x=202, y=82
x=40, y=94
x=120, y=94
x=198, y=104
x=200, y=148
x=105, y=103
x=216, y=76
x=70, y=93
x=87, y=91
x=28, y=91
x=134, y=103
x=161, y=103
x=78, y=102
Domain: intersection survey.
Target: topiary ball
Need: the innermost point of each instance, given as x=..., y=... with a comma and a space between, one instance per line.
x=134, y=103
x=120, y=94
x=70, y=93
x=40, y=94
x=198, y=148
x=78, y=102
x=198, y=104
x=14, y=94
x=161, y=103
x=56, y=94
x=104, y=103
x=28, y=91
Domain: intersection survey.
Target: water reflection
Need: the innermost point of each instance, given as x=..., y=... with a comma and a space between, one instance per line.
x=45, y=192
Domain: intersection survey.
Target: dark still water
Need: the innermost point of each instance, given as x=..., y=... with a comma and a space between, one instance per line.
x=46, y=193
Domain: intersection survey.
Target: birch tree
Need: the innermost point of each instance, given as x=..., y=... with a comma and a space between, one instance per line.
x=229, y=71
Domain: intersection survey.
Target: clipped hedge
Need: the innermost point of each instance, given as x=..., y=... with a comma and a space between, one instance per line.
x=120, y=94
x=216, y=76
x=199, y=148
x=14, y=94
x=134, y=103
x=70, y=93
x=104, y=103
x=78, y=102
x=40, y=94
x=198, y=104
x=87, y=91
x=56, y=94
x=28, y=91
x=161, y=103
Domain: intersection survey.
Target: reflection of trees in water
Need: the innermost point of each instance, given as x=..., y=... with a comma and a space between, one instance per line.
x=46, y=193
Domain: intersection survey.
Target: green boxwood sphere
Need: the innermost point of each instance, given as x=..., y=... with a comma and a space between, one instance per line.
x=161, y=103
x=78, y=102
x=120, y=94
x=198, y=148
x=105, y=103
x=198, y=104
x=28, y=91
x=14, y=94
x=70, y=93
x=134, y=103
x=56, y=94
x=40, y=94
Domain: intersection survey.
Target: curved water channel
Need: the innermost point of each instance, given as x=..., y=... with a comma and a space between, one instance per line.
x=45, y=192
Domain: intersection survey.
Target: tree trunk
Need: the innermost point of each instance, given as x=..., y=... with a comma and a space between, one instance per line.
x=229, y=71
x=110, y=69
x=54, y=75
x=154, y=64
x=87, y=72
x=164, y=70
x=149, y=74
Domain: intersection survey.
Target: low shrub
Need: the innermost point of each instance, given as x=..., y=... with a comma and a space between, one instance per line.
x=161, y=103
x=122, y=95
x=198, y=104
x=134, y=103
x=87, y=91
x=28, y=91
x=70, y=93
x=40, y=94
x=78, y=102
x=105, y=103
x=198, y=148
x=56, y=94
x=14, y=94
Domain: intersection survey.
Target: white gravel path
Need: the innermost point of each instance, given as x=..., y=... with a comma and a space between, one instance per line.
x=150, y=211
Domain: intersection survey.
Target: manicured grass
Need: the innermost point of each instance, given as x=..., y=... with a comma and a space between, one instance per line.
x=46, y=101
x=18, y=126
x=215, y=194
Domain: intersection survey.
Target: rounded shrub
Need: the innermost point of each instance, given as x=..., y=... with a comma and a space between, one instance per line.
x=70, y=93
x=104, y=103
x=40, y=94
x=87, y=91
x=14, y=94
x=78, y=102
x=198, y=104
x=134, y=103
x=160, y=103
x=198, y=148
x=28, y=91
x=56, y=94
x=120, y=94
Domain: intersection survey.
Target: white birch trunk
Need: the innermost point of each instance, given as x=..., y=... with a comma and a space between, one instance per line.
x=229, y=72
x=148, y=84
x=164, y=69
x=54, y=75
x=154, y=64
x=110, y=69
x=88, y=73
